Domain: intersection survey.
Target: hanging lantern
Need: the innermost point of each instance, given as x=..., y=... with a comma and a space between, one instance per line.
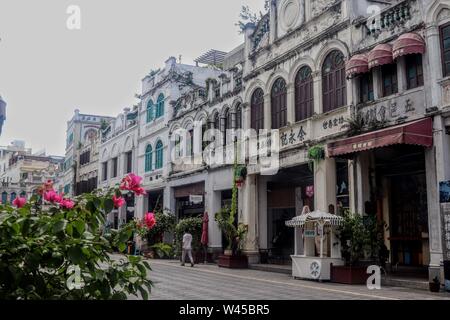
x=309, y=191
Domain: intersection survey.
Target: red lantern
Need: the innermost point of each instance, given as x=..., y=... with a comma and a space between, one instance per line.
x=310, y=191
x=239, y=182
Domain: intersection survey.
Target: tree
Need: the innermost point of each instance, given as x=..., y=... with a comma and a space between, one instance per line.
x=247, y=15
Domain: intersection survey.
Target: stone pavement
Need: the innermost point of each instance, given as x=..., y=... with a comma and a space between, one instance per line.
x=209, y=282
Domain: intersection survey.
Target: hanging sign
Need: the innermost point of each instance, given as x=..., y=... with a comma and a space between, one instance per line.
x=309, y=233
x=196, y=199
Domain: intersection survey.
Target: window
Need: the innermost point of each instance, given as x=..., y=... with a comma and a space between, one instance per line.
x=160, y=106
x=129, y=159
x=389, y=79
x=159, y=155
x=205, y=143
x=4, y=197
x=148, y=158
x=334, y=87
x=217, y=129
x=85, y=157
x=414, y=71
x=304, y=94
x=105, y=171
x=366, y=87
x=257, y=110
x=228, y=125
x=114, y=167
x=238, y=117
x=190, y=142
x=150, y=111
x=445, y=48
x=279, y=104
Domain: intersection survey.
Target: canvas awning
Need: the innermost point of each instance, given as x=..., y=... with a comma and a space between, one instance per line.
x=418, y=132
x=356, y=65
x=408, y=43
x=316, y=216
x=380, y=55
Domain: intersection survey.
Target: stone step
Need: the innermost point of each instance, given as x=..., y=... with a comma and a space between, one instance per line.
x=405, y=283
x=272, y=268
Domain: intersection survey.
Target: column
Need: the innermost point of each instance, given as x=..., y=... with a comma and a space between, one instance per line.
x=362, y=185
x=267, y=113
x=317, y=92
x=249, y=215
x=325, y=184
x=213, y=205
x=433, y=57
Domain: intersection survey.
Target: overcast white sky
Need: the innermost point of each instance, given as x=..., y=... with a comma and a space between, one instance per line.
x=47, y=71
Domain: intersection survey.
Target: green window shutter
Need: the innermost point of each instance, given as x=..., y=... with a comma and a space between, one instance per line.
x=148, y=158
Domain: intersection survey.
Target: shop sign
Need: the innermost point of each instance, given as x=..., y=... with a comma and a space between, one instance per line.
x=292, y=137
x=196, y=199
x=444, y=192
x=309, y=233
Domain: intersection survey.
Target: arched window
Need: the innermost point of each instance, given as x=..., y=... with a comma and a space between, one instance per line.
x=4, y=197
x=13, y=196
x=160, y=106
x=334, y=85
x=23, y=194
x=228, y=125
x=148, y=158
x=304, y=94
x=257, y=110
x=238, y=117
x=159, y=155
x=279, y=104
x=150, y=111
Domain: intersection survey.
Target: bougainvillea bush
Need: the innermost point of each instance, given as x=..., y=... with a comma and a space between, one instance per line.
x=52, y=247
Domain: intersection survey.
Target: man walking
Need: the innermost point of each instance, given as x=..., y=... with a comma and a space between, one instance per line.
x=187, y=248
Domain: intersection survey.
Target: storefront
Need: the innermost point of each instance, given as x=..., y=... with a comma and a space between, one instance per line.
x=390, y=178
x=284, y=196
x=190, y=200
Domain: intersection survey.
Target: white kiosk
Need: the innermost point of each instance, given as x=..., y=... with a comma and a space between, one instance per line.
x=312, y=226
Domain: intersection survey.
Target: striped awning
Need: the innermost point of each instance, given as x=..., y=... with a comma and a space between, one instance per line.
x=315, y=216
x=380, y=55
x=408, y=43
x=356, y=65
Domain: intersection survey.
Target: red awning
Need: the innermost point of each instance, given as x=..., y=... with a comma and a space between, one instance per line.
x=408, y=43
x=417, y=133
x=357, y=64
x=380, y=55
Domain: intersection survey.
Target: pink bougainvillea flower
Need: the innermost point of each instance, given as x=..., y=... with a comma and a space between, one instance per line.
x=19, y=202
x=132, y=182
x=53, y=197
x=150, y=220
x=67, y=204
x=118, y=201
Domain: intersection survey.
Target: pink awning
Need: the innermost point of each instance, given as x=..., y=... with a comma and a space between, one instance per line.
x=408, y=43
x=356, y=65
x=418, y=132
x=380, y=55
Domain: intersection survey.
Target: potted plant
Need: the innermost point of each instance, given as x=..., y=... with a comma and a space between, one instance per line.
x=359, y=237
x=435, y=285
x=235, y=234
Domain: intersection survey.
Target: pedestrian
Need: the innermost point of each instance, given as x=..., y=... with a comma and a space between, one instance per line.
x=187, y=248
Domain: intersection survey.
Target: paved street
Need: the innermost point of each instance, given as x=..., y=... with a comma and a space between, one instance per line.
x=173, y=282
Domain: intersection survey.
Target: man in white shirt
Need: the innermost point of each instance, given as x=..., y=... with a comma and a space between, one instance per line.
x=187, y=248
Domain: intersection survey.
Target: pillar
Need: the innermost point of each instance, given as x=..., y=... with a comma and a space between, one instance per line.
x=267, y=113
x=249, y=215
x=290, y=103
x=325, y=184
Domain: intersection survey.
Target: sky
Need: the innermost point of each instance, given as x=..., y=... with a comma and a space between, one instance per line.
x=47, y=71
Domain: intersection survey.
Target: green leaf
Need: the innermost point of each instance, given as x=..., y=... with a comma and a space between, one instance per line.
x=59, y=226
x=80, y=226
x=143, y=292
x=122, y=247
x=108, y=204
x=75, y=255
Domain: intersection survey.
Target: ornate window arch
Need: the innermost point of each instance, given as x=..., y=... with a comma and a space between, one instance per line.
x=278, y=98
x=304, y=94
x=334, y=82
x=160, y=106
x=159, y=161
x=257, y=109
x=150, y=111
x=148, y=158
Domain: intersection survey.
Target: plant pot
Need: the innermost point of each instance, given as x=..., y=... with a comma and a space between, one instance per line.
x=233, y=262
x=348, y=274
x=228, y=252
x=435, y=286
